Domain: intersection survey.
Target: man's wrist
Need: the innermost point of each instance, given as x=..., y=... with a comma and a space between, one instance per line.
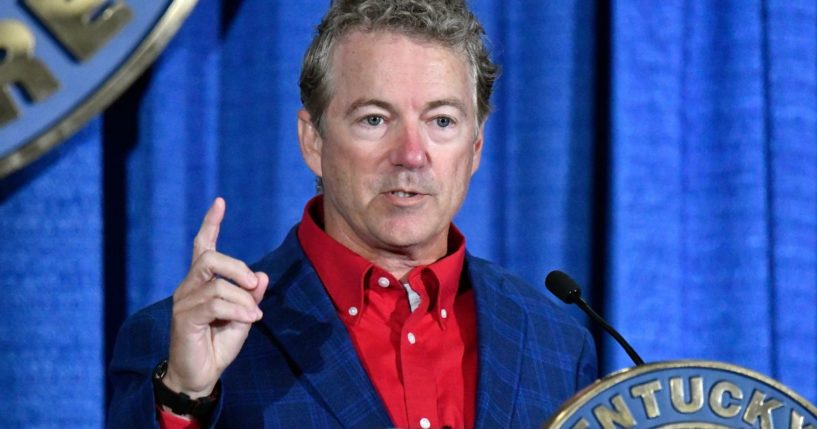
x=172, y=384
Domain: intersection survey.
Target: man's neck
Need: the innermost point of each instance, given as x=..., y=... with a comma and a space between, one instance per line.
x=398, y=261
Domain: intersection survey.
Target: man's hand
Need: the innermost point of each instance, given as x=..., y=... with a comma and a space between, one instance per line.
x=213, y=309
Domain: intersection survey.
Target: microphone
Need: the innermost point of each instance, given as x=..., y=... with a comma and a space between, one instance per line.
x=566, y=289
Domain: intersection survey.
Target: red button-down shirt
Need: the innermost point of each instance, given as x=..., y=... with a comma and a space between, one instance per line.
x=415, y=337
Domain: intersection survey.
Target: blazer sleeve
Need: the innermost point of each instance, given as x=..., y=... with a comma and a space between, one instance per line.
x=142, y=342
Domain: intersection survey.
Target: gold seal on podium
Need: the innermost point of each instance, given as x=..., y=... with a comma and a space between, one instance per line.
x=686, y=395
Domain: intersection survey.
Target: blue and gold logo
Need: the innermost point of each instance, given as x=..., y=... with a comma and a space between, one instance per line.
x=63, y=61
x=686, y=395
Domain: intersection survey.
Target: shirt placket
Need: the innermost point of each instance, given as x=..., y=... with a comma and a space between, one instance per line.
x=417, y=365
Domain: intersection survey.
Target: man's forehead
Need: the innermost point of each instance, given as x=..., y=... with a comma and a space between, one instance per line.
x=381, y=64
x=360, y=53
x=362, y=38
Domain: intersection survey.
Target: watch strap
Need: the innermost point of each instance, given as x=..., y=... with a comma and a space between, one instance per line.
x=181, y=403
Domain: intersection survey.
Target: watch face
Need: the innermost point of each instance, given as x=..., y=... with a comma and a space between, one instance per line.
x=161, y=370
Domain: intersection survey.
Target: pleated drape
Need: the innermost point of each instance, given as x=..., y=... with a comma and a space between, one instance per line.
x=51, y=312
x=662, y=153
x=714, y=191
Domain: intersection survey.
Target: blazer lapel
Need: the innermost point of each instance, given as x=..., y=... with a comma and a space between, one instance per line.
x=501, y=330
x=301, y=316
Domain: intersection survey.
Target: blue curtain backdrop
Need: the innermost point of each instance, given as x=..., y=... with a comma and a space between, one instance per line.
x=663, y=153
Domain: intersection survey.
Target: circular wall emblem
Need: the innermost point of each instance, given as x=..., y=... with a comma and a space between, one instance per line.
x=686, y=395
x=63, y=61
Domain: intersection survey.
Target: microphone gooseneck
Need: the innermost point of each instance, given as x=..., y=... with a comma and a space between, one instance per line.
x=566, y=289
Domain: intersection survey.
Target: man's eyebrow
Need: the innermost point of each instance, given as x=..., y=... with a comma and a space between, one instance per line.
x=453, y=102
x=368, y=102
x=363, y=102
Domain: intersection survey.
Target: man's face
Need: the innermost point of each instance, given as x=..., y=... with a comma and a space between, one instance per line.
x=400, y=142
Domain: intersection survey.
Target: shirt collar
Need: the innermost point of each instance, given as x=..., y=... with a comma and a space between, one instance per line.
x=345, y=274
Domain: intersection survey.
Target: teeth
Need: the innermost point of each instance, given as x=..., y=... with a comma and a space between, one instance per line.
x=402, y=194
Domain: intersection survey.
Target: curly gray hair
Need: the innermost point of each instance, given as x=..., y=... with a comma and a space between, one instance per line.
x=448, y=22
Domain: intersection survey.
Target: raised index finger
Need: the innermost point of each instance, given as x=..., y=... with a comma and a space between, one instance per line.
x=208, y=233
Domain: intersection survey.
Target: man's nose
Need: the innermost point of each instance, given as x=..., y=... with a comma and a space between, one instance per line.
x=409, y=148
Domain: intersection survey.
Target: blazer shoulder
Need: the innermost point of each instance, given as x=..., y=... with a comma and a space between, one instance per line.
x=281, y=260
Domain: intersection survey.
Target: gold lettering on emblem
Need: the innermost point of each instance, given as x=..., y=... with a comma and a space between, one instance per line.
x=722, y=406
x=759, y=408
x=679, y=397
x=19, y=67
x=82, y=26
x=797, y=421
x=620, y=415
x=646, y=392
x=581, y=424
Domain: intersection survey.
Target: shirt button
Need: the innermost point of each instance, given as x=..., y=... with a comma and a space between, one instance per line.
x=425, y=423
x=443, y=313
x=353, y=311
x=411, y=338
x=383, y=282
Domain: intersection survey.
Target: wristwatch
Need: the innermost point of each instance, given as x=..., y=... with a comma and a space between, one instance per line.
x=181, y=403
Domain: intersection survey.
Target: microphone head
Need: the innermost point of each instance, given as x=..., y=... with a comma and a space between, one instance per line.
x=561, y=285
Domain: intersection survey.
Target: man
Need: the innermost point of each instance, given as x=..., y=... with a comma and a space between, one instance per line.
x=371, y=313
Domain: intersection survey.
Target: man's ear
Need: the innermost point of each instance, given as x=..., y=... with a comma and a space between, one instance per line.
x=310, y=141
x=478, y=143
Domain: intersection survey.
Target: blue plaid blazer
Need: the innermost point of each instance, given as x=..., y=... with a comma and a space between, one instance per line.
x=299, y=369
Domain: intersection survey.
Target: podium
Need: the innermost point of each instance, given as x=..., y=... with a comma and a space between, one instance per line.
x=691, y=394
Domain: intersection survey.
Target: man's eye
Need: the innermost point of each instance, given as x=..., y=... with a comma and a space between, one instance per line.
x=443, y=121
x=374, y=120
